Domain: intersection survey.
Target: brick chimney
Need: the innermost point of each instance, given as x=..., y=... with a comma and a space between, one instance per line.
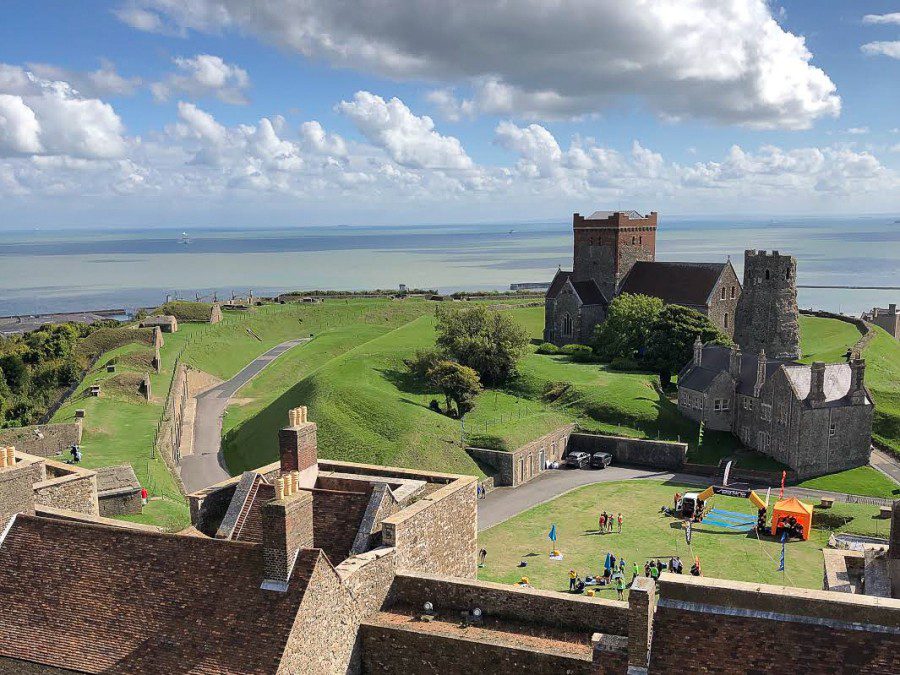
x=857, y=391
x=698, y=351
x=734, y=363
x=287, y=524
x=298, y=447
x=816, y=396
x=760, y=373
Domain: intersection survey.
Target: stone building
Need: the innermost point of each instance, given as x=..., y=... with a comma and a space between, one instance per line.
x=767, y=315
x=615, y=252
x=887, y=318
x=816, y=419
x=285, y=572
x=118, y=491
x=165, y=322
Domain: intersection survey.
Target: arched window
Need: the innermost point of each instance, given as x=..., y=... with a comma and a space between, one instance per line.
x=723, y=292
x=633, y=240
x=567, y=325
x=726, y=319
x=732, y=292
x=641, y=239
x=767, y=274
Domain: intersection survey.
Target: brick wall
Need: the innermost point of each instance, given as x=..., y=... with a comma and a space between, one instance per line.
x=513, y=603
x=16, y=495
x=438, y=533
x=745, y=627
x=56, y=438
x=637, y=451
x=336, y=520
x=68, y=487
x=401, y=651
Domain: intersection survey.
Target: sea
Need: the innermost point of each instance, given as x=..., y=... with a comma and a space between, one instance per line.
x=47, y=270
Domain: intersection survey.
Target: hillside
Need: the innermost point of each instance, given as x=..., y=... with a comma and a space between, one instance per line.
x=882, y=356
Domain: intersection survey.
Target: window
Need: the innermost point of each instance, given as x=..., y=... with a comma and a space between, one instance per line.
x=767, y=274
x=726, y=319
x=641, y=239
x=832, y=429
x=726, y=404
x=766, y=412
x=723, y=293
x=717, y=404
x=787, y=273
x=732, y=292
x=567, y=325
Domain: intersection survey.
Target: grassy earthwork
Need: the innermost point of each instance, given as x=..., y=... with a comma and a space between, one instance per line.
x=649, y=534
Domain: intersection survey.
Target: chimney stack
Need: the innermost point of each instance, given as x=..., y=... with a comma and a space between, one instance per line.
x=698, y=351
x=734, y=363
x=816, y=396
x=298, y=447
x=287, y=527
x=858, y=381
x=760, y=373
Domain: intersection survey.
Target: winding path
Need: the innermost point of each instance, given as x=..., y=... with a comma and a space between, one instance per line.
x=206, y=465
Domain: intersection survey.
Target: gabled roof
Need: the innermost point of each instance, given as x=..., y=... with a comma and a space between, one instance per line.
x=676, y=283
x=559, y=280
x=838, y=379
x=716, y=358
x=589, y=292
x=94, y=598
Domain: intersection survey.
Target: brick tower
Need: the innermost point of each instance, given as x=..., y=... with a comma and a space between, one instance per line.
x=767, y=317
x=608, y=243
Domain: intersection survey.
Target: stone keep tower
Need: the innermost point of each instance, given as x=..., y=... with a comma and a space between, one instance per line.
x=767, y=317
x=608, y=243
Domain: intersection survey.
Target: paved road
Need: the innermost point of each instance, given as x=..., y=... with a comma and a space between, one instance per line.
x=885, y=463
x=207, y=465
x=504, y=503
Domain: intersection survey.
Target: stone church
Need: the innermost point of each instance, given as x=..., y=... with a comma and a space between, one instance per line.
x=615, y=252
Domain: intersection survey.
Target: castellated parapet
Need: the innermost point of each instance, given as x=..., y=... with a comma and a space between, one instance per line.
x=767, y=316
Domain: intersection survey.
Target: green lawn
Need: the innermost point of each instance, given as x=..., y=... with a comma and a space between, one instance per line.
x=825, y=339
x=649, y=534
x=883, y=379
x=863, y=480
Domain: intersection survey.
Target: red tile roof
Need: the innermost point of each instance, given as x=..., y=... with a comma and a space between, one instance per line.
x=97, y=599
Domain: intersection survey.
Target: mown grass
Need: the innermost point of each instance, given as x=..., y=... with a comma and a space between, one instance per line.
x=863, y=480
x=882, y=356
x=824, y=339
x=648, y=534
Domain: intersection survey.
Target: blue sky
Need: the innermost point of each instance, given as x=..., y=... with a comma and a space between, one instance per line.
x=147, y=111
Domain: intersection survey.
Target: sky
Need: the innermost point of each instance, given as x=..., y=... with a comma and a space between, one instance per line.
x=146, y=113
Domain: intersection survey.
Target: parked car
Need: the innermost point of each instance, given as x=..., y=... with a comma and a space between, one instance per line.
x=578, y=460
x=601, y=460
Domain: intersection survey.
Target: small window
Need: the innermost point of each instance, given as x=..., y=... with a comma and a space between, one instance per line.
x=633, y=240
x=717, y=405
x=767, y=274
x=723, y=293
x=732, y=292
x=567, y=325
x=832, y=429
x=641, y=239
x=787, y=274
x=726, y=404
x=726, y=319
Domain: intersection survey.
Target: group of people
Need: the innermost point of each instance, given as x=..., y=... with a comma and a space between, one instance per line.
x=607, y=521
x=613, y=575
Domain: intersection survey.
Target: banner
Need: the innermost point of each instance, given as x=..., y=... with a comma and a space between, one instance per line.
x=781, y=564
x=552, y=535
x=727, y=471
x=783, y=476
x=688, y=533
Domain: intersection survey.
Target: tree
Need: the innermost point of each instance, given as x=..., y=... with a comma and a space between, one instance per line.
x=423, y=361
x=672, y=336
x=626, y=330
x=488, y=341
x=459, y=384
x=15, y=372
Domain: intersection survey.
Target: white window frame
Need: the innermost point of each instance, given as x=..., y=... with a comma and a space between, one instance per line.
x=832, y=430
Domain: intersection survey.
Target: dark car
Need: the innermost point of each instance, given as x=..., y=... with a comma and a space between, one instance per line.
x=578, y=460
x=601, y=460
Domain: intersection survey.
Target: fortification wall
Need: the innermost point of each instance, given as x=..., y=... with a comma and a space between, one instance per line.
x=638, y=451
x=16, y=494
x=68, y=487
x=761, y=628
x=522, y=464
x=514, y=603
x=168, y=437
x=42, y=440
x=439, y=532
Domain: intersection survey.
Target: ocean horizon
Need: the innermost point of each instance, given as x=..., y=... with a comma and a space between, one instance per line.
x=60, y=270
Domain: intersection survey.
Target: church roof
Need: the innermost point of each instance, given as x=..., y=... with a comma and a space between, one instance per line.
x=676, y=283
x=93, y=598
x=589, y=292
x=558, y=282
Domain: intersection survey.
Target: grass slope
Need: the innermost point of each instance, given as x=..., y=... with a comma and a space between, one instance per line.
x=883, y=379
x=648, y=534
x=824, y=339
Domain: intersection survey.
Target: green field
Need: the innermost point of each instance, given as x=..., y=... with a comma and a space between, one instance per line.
x=825, y=339
x=883, y=380
x=648, y=534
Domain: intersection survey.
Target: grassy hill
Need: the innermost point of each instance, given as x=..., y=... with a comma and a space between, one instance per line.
x=883, y=379
x=825, y=339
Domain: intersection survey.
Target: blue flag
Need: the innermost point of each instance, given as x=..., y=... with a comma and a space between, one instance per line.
x=608, y=562
x=781, y=564
x=553, y=533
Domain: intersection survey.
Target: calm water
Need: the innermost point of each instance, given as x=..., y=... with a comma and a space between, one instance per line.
x=44, y=271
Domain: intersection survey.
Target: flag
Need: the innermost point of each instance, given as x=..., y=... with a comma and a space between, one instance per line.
x=552, y=535
x=783, y=476
x=781, y=564
x=700, y=434
x=608, y=563
x=727, y=471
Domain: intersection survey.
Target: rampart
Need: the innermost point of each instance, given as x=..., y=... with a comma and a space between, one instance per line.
x=42, y=440
x=68, y=487
x=636, y=451
x=760, y=628
x=865, y=330
x=168, y=435
x=524, y=463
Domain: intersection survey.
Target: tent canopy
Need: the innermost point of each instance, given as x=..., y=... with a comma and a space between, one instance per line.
x=794, y=506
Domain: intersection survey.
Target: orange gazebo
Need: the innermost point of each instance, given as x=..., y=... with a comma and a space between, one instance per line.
x=792, y=508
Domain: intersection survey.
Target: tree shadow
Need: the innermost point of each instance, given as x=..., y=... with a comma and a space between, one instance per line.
x=405, y=381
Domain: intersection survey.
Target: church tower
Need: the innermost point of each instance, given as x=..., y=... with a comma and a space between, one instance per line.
x=608, y=243
x=767, y=317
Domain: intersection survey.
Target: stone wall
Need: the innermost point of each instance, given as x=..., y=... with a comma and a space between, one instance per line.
x=16, y=495
x=513, y=603
x=57, y=438
x=767, y=314
x=522, y=464
x=637, y=451
x=395, y=649
x=438, y=533
x=168, y=438
x=120, y=504
x=745, y=627
x=68, y=487
x=721, y=310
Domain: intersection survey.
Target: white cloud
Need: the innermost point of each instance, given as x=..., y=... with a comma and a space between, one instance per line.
x=858, y=131
x=451, y=108
x=204, y=75
x=43, y=117
x=410, y=140
x=104, y=81
x=893, y=18
x=321, y=142
x=140, y=19
x=725, y=60
x=891, y=49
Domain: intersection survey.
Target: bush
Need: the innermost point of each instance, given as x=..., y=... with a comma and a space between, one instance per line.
x=579, y=353
x=422, y=362
x=623, y=363
x=547, y=348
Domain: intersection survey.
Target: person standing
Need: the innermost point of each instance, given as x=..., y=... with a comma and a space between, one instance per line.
x=602, y=522
x=654, y=572
x=572, y=577
x=635, y=570
x=619, y=518
x=620, y=586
